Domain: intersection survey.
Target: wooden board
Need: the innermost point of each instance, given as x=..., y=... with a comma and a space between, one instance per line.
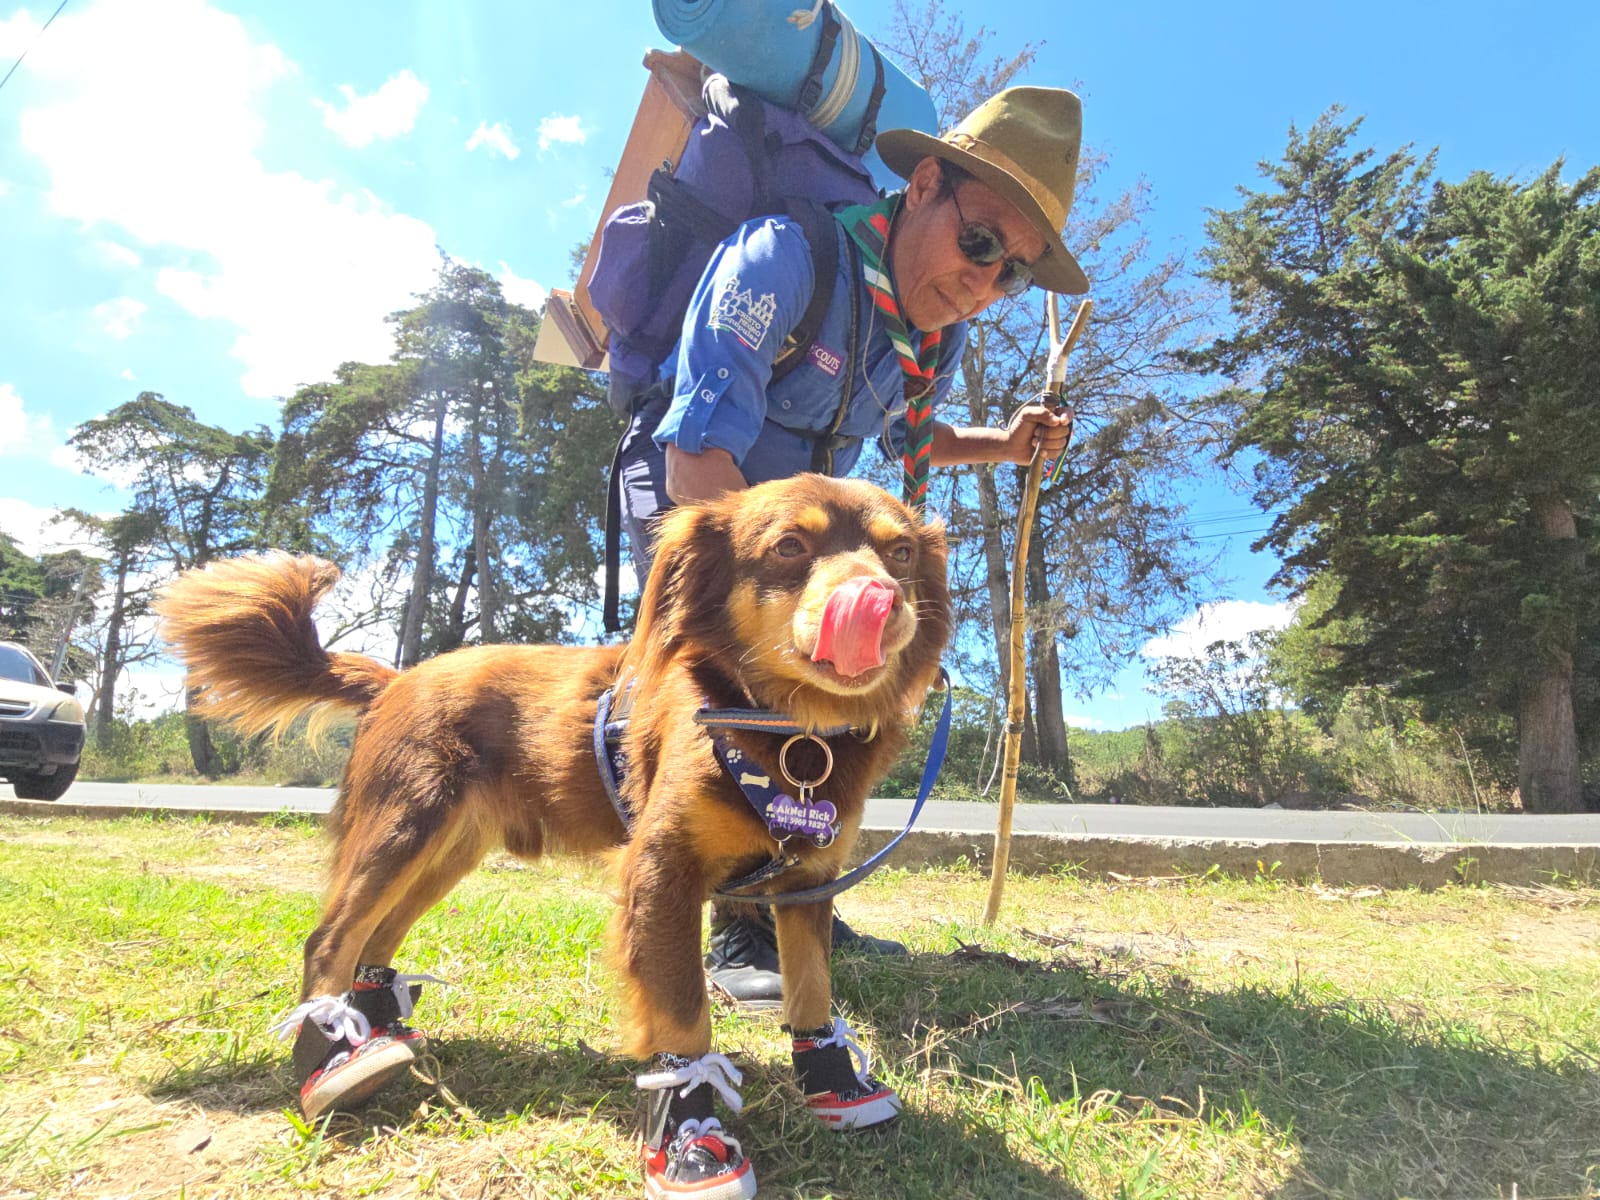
x=667, y=111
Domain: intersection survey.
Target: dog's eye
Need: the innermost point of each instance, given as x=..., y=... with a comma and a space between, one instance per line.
x=790, y=547
x=900, y=554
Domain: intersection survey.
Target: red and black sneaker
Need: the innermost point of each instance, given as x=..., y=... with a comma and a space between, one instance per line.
x=687, y=1153
x=387, y=999
x=339, y=1061
x=838, y=1087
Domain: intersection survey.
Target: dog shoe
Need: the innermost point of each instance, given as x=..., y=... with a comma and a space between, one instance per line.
x=686, y=1151
x=387, y=999
x=338, y=1059
x=839, y=1089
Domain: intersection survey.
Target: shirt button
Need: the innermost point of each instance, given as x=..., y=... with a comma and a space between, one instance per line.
x=707, y=395
x=788, y=403
x=722, y=372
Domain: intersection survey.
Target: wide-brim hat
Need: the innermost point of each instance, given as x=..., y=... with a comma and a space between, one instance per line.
x=1024, y=144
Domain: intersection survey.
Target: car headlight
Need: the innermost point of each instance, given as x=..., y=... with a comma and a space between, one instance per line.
x=66, y=709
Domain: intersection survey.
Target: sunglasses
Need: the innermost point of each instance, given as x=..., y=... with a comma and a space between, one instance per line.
x=983, y=247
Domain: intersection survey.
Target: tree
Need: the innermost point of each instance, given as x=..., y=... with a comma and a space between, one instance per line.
x=199, y=486
x=1416, y=363
x=471, y=475
x=124, y=637
x=1111, y=563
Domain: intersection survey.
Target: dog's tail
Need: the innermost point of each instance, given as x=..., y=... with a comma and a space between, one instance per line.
x=243, y=627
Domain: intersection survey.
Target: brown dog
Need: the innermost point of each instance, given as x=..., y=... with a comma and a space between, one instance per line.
x=822, y=599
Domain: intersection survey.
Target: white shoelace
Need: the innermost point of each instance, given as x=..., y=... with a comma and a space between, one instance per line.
x=402, y=990
x=714, y=1069
x=843, y=1035
x=334, y=1015
x=710, y=1127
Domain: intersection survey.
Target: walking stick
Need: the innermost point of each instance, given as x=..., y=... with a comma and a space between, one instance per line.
x=1055, y=379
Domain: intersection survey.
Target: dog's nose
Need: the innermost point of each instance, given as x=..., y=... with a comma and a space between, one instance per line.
x=851, y=631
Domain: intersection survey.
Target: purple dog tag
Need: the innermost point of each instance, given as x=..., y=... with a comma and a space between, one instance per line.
x=786, y=815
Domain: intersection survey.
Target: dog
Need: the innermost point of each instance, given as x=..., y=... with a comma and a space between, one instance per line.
x=823, y=600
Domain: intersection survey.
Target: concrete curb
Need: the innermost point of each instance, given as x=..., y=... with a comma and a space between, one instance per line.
x=1337, y=864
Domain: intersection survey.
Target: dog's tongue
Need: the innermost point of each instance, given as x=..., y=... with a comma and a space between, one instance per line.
x=851, y=637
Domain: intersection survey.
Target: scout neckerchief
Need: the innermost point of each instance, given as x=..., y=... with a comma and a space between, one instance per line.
x=869, y=224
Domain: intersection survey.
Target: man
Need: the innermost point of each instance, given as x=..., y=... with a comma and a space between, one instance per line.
x=980, y=218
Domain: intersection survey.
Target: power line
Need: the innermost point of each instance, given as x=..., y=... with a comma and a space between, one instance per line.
x=32, y=44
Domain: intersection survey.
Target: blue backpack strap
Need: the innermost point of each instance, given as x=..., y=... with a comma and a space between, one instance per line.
x=869, y=123
x=822, y=235
x=811, y=89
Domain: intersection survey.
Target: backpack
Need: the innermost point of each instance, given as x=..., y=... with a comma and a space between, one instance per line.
x=746, y=158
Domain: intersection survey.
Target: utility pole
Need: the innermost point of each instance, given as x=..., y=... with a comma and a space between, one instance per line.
x=60, y=659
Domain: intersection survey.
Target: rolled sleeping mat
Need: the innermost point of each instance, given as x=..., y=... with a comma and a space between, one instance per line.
x=769, y=46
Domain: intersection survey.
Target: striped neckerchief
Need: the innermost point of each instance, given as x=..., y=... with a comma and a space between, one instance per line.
x=868, y=225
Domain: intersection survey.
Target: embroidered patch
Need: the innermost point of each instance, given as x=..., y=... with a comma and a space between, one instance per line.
x=742, y=314
x=826, y=360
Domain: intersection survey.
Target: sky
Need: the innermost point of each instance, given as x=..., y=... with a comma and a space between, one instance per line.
x=222, y=201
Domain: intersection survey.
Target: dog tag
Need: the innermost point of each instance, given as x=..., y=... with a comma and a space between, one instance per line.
x=813, y=819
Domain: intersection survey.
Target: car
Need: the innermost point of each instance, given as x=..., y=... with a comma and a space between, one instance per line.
x=41, y=729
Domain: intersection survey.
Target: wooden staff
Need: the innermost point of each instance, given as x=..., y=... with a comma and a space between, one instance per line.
x=1016, y=697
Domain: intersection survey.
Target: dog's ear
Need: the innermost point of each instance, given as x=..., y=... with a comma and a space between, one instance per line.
x=684, y=598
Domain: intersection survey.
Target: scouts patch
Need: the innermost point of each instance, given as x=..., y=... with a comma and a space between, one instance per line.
x=827, y=361
x=742, y=314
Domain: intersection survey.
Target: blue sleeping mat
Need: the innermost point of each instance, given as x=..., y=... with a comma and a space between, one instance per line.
x=768, y=46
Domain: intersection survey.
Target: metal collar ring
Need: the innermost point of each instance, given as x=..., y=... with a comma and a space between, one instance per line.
x=827, y=761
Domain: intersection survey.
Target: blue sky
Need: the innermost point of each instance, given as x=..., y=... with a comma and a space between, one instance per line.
x=220, y=201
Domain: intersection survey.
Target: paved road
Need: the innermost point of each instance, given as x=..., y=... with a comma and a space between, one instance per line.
x=1097, y=820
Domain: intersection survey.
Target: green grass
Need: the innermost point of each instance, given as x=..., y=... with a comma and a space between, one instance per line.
x=1129, y=1040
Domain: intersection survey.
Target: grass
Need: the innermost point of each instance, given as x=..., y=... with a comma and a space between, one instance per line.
x=1125, y=1039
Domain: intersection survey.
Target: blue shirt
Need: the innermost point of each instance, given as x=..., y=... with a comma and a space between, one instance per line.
x=753, y=293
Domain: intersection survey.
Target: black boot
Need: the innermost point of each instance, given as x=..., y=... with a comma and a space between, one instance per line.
x=742, y=960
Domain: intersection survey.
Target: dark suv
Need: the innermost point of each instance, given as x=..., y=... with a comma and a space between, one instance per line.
x=41, y=730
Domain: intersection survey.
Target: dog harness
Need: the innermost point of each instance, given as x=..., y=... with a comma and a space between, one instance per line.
x=787, y=817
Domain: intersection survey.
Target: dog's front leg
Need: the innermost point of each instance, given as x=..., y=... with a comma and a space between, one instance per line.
x=832, y=1067
x=805, y=940
x=656, y=947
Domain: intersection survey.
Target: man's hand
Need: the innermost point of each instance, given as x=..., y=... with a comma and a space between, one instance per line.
x=1038, y=425
x=704, y=476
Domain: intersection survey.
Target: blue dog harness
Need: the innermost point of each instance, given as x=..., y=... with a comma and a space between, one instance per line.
x=787, y=817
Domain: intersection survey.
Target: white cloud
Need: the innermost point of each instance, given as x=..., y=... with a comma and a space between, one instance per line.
x=574, y=201
x=386, y=113
x=36, y=530
x=21, y=434
x=120, y=317
x=171, y=93
x=527, y=292
x=116, y=254
x=17, y=33
x=568, y=130
x=1225, y=620
x=67, y=458
x=1091, y=724
x=127, y=373
x=495, y=138
x=5, y=188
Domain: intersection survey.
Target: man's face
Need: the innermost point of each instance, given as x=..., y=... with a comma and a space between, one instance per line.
x=937, y=283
